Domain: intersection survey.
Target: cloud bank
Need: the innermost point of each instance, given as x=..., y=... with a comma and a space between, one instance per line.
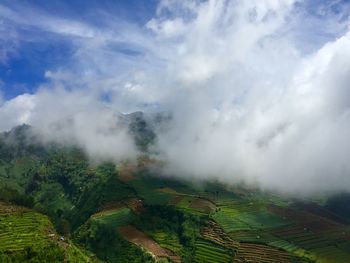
x=256, y=93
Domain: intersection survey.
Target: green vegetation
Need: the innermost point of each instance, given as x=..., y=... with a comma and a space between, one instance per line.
x=206, y=252
x=103, y=239
x=28, y=236
x=261, y=220
x=254, y=236
x=66, y=196
x=24, y=227
x=168, y=240
x=115, y=217
x=147, y=187
x=227, y=219
x=13, y=196
x=181, y=228
x=285, y=245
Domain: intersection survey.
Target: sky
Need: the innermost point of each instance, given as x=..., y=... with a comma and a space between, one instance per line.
x=258, y=90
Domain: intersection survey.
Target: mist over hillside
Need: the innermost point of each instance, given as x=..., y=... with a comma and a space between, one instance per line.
x=257, y=91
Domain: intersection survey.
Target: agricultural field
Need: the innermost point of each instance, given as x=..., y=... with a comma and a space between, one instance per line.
x=288, y=246
x=167, y=240
x=214, y=233
x=261, y=220
x=139, y=238
x=193, y=204
x=207, y=252
x=114, y=217
x=227, y=218
x=28, y=228
x=299, y=234
x=250, y=252
x=147, y=189
x=254, y=236
x=202, y=205
x=28, y=235
x=303, y=236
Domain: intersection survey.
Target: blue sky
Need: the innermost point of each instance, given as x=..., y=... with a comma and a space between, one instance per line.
x=31, y=49
x=37, y=50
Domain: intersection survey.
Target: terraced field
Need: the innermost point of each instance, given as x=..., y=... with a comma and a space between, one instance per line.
x=249, y=252
x=25, y=227
x=254, y=235
x=303, y=237
x=193, y=204
x=208, y=252
x=246, y=204
x=148, y=191
x=168, y=241
x=262, y=220
x=216, y=234
x=250, y=214
x=202, y=205
x=227, y=218
x=317, y=236
x=23, y=230
x=139, y=238
x=288, y=246
x=114, y=217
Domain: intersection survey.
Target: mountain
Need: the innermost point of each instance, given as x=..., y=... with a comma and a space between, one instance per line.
x=57, y=206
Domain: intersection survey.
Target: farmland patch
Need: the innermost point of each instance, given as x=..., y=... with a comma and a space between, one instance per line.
x=138, y=238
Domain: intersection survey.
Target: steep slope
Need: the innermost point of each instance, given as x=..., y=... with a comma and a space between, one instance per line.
x=28, y=236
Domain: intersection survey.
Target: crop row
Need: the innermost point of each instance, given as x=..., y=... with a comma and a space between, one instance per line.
x=255, y=236
x=304, y=237
x=261, y=253
x=228, y=222
x=216, y=234
x=262, y=220
x=244, y=206
x=115, y=218
x=21, y=229
x=168, y=241
x=285, y=245
x=209, y=252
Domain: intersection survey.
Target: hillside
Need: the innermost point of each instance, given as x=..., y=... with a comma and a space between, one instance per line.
x=28, y=236
x=125, y=212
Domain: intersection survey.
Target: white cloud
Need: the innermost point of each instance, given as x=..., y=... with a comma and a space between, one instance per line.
x=16, y=111
x=248, y=103
x=72, y=117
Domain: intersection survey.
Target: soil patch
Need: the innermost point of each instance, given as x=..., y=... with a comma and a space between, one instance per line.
x=139, y=238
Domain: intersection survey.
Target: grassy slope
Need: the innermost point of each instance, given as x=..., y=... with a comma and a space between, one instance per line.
x=29, y=236
x=114, y=217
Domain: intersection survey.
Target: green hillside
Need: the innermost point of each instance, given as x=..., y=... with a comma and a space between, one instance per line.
x=28, y=236
x=126, y=212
